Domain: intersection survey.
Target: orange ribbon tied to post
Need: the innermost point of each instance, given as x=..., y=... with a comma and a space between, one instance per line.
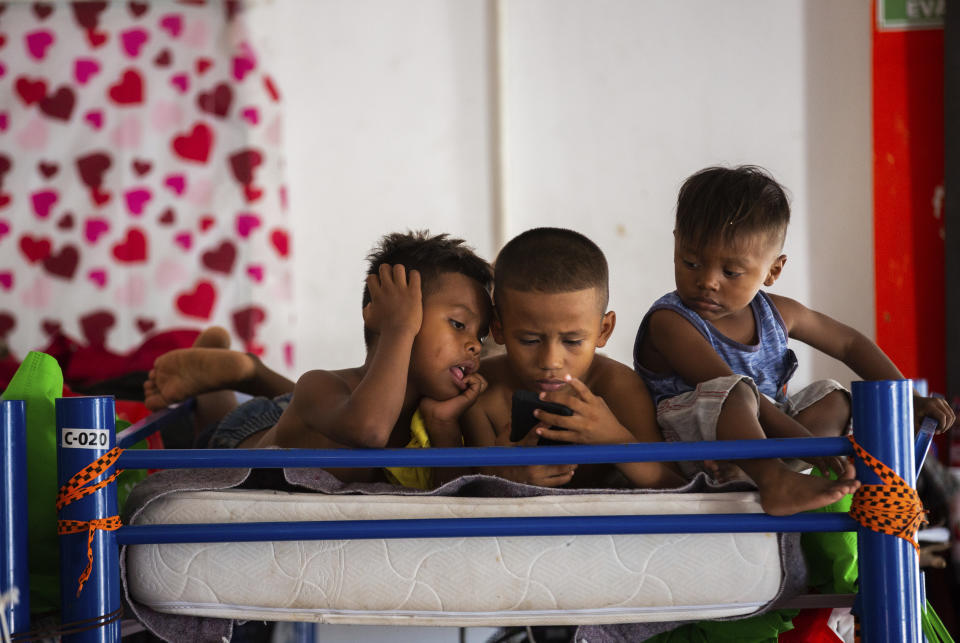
x=892, y=507
x=80, y=485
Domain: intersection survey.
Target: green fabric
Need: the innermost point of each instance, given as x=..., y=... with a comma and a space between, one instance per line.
x=831, y=556
x=831, y=559
x=39, y=382
x=764, y=628
x=933, y=629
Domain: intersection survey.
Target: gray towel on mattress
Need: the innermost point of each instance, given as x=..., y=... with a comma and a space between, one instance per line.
x=181, y=629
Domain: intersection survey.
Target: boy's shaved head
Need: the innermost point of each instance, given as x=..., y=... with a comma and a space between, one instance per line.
x=431, y=255
x=720, y=204
x=551, y=260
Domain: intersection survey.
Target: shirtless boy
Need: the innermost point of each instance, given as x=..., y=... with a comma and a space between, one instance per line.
x=550, y=297
x=714, y=352
x=426, y=310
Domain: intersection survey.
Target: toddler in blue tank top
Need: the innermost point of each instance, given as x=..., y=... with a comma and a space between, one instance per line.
x=714, y=351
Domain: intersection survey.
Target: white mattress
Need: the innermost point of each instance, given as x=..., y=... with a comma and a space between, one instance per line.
x=455, y=581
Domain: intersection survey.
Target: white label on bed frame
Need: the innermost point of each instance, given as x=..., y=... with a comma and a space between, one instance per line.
x=85, y=438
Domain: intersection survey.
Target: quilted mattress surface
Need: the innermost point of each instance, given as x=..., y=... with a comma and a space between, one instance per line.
x=455, y=581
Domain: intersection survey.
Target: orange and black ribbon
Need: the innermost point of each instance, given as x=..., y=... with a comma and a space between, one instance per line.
x=80, y=485
x=892, y=507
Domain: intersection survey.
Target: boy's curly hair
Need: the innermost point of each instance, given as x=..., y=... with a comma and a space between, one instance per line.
x=720, y=204
x=551, y=260
x=431, y=255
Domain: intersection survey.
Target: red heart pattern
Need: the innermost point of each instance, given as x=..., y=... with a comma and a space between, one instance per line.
x=141, y=103
x=196, y=145
x=128, y=90
x=198, y=302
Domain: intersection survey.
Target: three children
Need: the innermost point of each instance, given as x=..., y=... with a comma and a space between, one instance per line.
x=713, y=353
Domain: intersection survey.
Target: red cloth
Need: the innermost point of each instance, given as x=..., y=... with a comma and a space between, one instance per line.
x=810, y=626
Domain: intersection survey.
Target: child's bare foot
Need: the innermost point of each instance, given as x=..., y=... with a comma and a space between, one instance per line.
x=784, y=492
x=187, y=372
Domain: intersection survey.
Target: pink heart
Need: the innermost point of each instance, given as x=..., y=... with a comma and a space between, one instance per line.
x=137, y=199
x=38, y=294
x=4, y=123
x=244, y=62
x=283, y=196
x=93, y=228
x=288, y=354
x=99, y=277
x=256, y=272
x=84, y=68
x=171, y=272
x=172, y=23
x=180, y=81
x=251, y=115
x=132, y=293
x=34, y=136
x=128, y=133
x=95, y=118
x=43, y=201
x=247, y=223
x=274, y=133
x=4, y=228
x=165, y=115
x=176, y=182
x=133, y=40
x=241, y=67
x=6, y=280
x=184, y=239
x=3, y=70
x=196, y=34
x=38, y=42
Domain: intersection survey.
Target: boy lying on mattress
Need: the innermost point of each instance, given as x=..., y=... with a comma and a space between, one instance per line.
x=426, y=309
x=550, y=313
x=714, y=351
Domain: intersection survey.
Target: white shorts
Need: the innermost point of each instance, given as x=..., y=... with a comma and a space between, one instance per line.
x=692, y=416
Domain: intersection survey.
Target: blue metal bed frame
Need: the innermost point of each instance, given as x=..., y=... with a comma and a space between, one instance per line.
x=888, y=603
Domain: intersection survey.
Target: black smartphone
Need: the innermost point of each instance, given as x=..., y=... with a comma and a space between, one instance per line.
x=522, y=418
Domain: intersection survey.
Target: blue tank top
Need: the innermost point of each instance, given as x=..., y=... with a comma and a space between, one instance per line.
x=768, y=362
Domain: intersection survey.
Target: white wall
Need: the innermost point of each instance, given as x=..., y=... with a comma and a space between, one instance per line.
x=605, y=107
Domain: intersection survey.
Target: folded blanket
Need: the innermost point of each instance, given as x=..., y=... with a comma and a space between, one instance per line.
x=190, y=628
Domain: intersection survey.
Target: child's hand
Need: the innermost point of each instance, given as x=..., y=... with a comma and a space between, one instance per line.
x=937, y=408
x=826, y=464
x=592, y=421
x=543, y=475
x=443, y=414
x=396, y=302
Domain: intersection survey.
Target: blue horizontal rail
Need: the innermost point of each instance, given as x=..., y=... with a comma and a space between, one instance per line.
x=483, y=456
x=473, y=527
x=154, y=422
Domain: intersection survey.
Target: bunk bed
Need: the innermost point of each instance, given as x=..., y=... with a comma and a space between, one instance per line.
x=550, y=536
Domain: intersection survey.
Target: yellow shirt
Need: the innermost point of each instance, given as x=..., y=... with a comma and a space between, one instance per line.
x=413, y=477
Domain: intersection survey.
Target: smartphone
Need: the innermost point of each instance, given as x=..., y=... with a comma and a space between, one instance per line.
x=522, y=418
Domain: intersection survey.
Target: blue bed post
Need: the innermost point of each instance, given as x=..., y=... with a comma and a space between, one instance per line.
x=86, y=430
x=889, y=595
x=14, y=570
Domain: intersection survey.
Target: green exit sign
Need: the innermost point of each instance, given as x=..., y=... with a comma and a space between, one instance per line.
x=897, y=15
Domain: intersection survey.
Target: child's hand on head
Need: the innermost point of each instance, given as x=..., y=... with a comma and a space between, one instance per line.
x=447, y=412
x=592, y=421
x=396, y=301
x=937, y=408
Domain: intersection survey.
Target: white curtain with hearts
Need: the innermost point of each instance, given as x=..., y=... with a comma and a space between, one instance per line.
x=141, y=183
